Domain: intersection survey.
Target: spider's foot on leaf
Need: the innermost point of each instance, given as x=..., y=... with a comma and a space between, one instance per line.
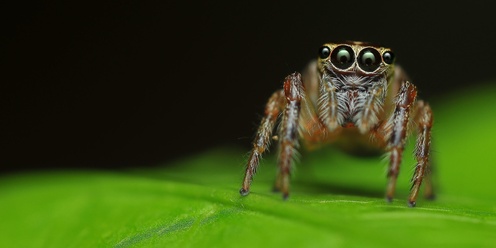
x=412, y=204
x=244, y=192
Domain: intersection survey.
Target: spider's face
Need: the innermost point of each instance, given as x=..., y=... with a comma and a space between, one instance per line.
x=354, y=77
x=355, y=64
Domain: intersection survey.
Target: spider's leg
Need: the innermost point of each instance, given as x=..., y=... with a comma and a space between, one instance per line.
x=429, y=192
x=422, y=151
x=313, y=131
x=398, y=131
x=288, y=130
x=262, y=139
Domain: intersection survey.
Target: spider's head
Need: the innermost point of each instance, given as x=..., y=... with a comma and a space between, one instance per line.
x=354, y=76
x=355, y=63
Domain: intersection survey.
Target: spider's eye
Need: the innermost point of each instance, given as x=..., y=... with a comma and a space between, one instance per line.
x=342, y=57
x=369, y=59
x=324, y=52
x=388, y=57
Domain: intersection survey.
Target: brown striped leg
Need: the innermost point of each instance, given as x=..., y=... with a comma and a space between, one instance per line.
x=262, y=139
x=429, y=192
x=288, y=130
x=422, y=151
x=401, y=116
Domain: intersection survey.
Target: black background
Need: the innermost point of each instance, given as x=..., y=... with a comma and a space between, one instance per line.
x=140, y=83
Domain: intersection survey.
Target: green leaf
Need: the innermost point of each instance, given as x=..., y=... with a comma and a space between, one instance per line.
x=336, y=199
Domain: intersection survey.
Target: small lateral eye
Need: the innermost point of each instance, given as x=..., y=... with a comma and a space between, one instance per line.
x=342, y=57
x=369, y=59
x=324, y=52
x=388, y=57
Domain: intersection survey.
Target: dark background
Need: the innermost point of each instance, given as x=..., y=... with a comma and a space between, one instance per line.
x=142, y=83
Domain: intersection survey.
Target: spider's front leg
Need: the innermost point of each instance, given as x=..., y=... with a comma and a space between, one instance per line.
x=262, y=138
x=423, y=119
x=288, y=101
x=396, y=131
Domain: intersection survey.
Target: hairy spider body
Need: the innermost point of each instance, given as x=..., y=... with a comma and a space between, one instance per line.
x=353, y=88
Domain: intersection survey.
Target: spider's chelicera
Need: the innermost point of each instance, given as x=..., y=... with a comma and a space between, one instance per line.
x=352, y=88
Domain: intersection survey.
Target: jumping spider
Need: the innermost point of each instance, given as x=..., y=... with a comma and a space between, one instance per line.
x=353, y=88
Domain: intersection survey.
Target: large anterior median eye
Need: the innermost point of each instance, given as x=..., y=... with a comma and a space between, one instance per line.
x=342, y=57
x=369, y=59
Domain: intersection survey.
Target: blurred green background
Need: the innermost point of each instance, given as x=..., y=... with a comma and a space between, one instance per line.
x=128, y=124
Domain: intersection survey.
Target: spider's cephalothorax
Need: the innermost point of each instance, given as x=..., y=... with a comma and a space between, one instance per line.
x=353, y=88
